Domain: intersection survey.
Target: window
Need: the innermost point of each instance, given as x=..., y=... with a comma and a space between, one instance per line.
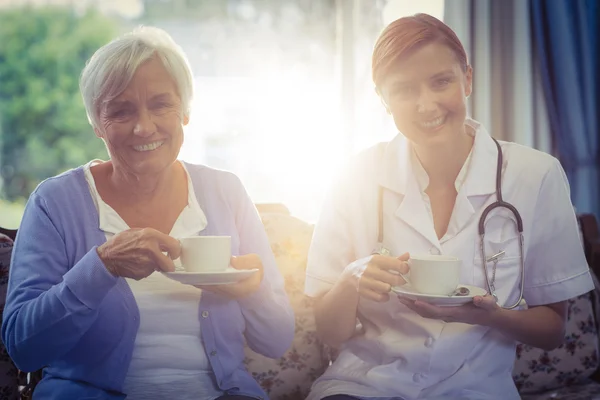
x=283, y=92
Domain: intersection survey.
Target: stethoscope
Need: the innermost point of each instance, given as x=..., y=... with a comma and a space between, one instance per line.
x=499, y=203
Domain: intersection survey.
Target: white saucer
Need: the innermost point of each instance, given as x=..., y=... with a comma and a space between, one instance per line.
x=230, y=275
x=439, y=300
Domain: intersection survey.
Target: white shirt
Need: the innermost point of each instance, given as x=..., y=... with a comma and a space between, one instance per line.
x=169, y=360
x=399, y=353
x=423, y=182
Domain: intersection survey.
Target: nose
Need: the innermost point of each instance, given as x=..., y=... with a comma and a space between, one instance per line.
x=144, y=126
x=426, y=101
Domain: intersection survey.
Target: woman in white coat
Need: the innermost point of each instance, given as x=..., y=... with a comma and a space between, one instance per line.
x=435, y=179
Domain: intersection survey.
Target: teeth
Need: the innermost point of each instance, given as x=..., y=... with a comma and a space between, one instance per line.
x=433, y=123
x=149, y=146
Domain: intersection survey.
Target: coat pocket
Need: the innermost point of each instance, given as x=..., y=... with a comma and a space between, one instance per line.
x=505, y=272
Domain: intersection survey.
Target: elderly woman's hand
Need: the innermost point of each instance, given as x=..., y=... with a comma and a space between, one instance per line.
x=137, y=253
x=247, y=286
x=479, y=312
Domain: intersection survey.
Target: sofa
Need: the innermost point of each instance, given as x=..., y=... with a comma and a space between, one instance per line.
x=569, y=372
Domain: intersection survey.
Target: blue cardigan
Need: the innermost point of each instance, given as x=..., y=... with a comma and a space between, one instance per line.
x=65, y=312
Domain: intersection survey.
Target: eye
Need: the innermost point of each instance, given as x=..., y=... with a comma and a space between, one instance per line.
x=405, y=91
x=161, y=106
x=442, y=83
x=119, y=113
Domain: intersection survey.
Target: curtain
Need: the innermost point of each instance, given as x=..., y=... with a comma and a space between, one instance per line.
x=507, y=92
x=566, y=42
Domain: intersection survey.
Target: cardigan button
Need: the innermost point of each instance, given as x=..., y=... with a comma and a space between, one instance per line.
x=429, y=342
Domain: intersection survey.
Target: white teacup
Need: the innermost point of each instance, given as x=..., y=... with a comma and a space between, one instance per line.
x=205, y=253
x=434, y=274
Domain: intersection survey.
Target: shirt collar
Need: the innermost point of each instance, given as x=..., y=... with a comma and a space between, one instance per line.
x=477, y=176
x=423, y=178
x=191, y=220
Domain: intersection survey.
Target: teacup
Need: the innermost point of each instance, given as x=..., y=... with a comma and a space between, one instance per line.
x=205, y=253
x=434, y=274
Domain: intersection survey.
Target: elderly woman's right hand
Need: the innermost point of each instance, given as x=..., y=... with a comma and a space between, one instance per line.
x=137, y=253
x=374, y=276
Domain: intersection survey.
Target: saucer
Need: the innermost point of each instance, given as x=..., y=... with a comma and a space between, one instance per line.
x=439, y=300
x=230, y=275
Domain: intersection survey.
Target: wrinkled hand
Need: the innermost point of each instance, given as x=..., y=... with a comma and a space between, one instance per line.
x=479, y=312
x=137, y=253
x=243, y=288
x=374, y=277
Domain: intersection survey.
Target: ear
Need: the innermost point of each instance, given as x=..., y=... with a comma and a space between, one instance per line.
x=186, y=119
x=98, y=132
x=387, y=109
x=468, y=81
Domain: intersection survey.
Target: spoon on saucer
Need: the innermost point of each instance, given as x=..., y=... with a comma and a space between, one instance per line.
x=460, y=291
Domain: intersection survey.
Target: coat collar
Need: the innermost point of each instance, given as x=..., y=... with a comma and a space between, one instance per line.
x=395, y=173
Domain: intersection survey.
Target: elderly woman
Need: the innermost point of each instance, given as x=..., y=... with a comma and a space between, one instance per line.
x=425, y=192
x=86, y=299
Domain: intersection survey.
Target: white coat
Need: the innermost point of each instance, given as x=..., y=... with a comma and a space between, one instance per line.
x=399, y=354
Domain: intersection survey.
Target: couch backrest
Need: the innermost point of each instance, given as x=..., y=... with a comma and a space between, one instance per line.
x=571, y=363
x=290, y=377
x=577, y=358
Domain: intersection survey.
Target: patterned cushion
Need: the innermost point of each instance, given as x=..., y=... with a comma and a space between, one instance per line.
x=571, y=364
x=587, y=390
x=8, y=371
x=290, y=377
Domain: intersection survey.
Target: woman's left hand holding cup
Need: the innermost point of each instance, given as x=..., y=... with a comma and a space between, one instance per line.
x=478, y=312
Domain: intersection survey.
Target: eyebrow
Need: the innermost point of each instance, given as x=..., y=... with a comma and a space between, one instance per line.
x=161, y=96
x=443, y=73
x=400, y=84
x=116, y=103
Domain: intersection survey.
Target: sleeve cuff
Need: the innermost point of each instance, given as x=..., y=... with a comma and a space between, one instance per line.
x=89, y=280
x=559, y=291
x=316, y=287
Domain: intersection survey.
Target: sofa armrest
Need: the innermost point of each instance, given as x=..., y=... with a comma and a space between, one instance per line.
x=9, y=381
x=590, y=237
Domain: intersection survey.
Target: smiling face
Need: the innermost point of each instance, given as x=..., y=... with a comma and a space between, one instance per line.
x=426, y=94
x=143, y=126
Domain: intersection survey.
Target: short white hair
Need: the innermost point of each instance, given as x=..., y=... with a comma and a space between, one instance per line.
x=111, y=68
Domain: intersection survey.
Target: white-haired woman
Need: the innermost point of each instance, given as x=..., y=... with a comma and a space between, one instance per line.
x=86, y=301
